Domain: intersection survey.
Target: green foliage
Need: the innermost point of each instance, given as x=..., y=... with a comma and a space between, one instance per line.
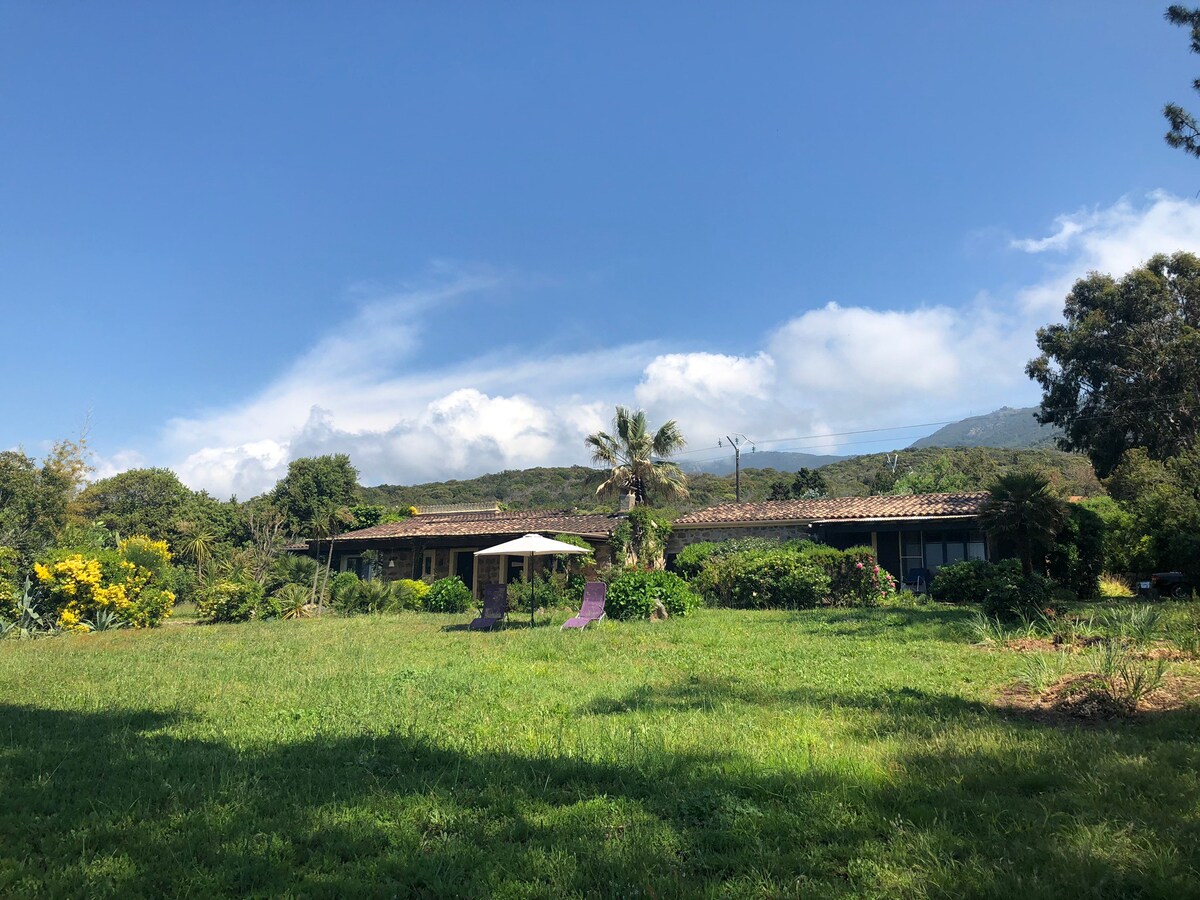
x=962, y=582
x=449, y=595
x=293, y=600
x=1123, y=369
x=777, y=579
x=312, y=485
x=235, y=601
x=1125, y=677
x=34, y=499
x=410, y=594
x=366, y=515
x=855, y=578
x=641, y=539
x=634, y=592
x=1077, y=558
x=343, y=592
x=139, y=501
x=1163, y=500
x=9, y=589
x=806, y=485
x=1010, y=595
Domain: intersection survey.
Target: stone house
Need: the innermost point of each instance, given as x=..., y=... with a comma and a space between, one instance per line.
x=441, y=541
x=916, y=531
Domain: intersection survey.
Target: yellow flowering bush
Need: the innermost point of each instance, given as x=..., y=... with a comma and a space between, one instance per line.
x=128, y=582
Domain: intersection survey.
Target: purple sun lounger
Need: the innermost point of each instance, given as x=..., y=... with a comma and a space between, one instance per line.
x=495, y=607
x=592, y=609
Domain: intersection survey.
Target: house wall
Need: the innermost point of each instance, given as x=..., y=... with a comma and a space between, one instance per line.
x=684, y=537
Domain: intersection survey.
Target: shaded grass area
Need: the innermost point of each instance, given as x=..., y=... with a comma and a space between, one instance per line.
x=831, y=753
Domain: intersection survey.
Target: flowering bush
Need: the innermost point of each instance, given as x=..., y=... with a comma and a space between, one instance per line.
x=855, y=578
x=127, y=582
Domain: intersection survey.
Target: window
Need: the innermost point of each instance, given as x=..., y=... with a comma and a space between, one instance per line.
x=359, y=566
x=427, y=565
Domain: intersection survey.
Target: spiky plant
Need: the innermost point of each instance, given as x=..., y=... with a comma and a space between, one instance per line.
x=293, y=601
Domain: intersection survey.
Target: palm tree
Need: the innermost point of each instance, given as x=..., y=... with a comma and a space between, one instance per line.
x=637, y=459
x=327, y=522
x=1023, y=509
x=197, y=545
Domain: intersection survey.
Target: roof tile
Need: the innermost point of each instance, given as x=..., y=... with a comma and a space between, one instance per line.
x=907, y=506
x=486, y=523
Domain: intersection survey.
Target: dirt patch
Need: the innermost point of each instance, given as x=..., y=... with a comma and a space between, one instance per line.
x=1079, y=698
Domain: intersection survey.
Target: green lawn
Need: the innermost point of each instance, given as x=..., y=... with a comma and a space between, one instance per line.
x=738, y=754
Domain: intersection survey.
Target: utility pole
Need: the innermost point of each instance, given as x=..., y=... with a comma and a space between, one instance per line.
x=736, y=443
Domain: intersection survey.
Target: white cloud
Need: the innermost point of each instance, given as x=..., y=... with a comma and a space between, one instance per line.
x=835, y=368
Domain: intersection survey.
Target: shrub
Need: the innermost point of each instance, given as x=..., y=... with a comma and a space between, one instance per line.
x=778, y=579
x=409, y=594
x=855, y=578
x=1016, y=596
x=235, y=601
x=343, y=592
x=961, y=582
x=1114, y=587
x=633, y=594
x=448, y=595
x=10, y=593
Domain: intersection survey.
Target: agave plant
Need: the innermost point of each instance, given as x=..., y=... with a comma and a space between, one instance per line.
x=30, y=621
x=105, y=620
x=293, y=601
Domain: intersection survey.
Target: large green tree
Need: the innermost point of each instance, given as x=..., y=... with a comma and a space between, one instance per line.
x=637, y=458
x=1184, y=132
x=1023, y=510
x=139, y=501
x=1123, y=369
x=312, y=485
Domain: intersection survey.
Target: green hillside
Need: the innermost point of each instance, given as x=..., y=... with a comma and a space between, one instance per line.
x=1006, y=428
x=915, y=471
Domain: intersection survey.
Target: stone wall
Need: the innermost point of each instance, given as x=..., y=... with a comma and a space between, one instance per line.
x=685, y=536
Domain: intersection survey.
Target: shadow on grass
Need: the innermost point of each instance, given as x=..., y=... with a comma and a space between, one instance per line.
x=102, y=802
x=950, y=622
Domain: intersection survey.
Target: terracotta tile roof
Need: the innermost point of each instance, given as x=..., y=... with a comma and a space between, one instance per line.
x=486, y=523
x=837, y=509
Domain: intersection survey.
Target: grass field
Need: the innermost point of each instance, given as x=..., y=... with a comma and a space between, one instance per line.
x=738, y=754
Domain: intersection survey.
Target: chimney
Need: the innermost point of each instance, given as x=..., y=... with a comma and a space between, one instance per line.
x=628, y=501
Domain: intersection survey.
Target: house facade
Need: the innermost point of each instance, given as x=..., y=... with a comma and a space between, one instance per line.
x=907, y=532
x=438, y=543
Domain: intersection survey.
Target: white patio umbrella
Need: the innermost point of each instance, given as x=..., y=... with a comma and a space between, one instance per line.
x=530, y=546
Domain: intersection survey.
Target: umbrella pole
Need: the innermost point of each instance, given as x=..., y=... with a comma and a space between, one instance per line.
x=529, y=572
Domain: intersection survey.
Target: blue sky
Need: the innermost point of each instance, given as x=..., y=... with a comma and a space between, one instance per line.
x=447, y=238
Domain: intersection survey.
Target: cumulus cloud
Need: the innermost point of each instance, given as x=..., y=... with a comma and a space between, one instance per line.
x=839, y=367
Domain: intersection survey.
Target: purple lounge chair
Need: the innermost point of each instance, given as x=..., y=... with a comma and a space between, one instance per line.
x=495, y=607
x=592, y=610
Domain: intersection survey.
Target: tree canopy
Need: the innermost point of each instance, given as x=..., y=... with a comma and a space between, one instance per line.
x=1123, y=369
x=312, y=485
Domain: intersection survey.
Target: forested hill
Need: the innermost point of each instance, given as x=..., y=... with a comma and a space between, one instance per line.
x=915, y=471
x=1007, y=428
